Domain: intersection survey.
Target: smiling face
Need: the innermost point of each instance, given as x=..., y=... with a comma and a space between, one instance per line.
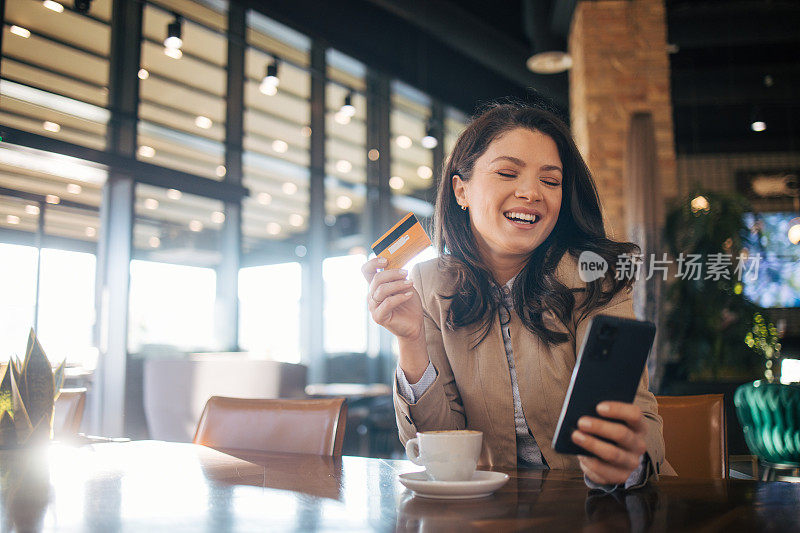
x=513, y=197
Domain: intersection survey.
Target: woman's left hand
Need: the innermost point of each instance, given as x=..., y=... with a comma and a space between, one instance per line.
x=624, y=428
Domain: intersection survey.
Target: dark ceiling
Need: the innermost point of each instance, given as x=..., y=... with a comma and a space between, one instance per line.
x=731, y=60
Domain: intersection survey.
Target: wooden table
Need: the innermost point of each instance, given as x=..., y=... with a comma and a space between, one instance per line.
x=157, y=486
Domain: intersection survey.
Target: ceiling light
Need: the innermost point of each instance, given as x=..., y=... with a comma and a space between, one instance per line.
x=150, y=203
x=51, y=126
x=154, y=242
x=174, y=194
x=217, y=217
x=552, y=62
x=344, y=166
x=403, y=141
x=373, y=155
x=794, y=230
x=203, y=122
x=758, y=125
x=174, y=31
x=143, y=74
x=32, y=209
x=271, y=78
x=53, y=6
x=699, y=203
x=22, y=32
x=424, y=172
x=174, y=53
x=429, y=141
x=273, y=228
x=74, y=188
x=196, y=225
x=296, y=220
x=305, y=131
x=268, y=89
x=221, y=171
x=90, y=231
x=280, y=146
x=344, y=202
x=300, y=251
x=146, y=151
x=341, y=118
x=348, y=108
x=264, y=198
x=12, y=219
x=289, y=188
x=396, y=182
x=83, y=6
x=52, y=199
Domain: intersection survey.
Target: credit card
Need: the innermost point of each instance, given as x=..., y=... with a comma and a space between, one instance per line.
x=402, y=242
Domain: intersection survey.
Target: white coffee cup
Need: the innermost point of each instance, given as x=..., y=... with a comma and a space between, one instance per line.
x=446, y=455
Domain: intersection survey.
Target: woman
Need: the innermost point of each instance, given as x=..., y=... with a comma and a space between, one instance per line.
x=488, y=332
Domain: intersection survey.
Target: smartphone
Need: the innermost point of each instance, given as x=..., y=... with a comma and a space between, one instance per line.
x=609, y=366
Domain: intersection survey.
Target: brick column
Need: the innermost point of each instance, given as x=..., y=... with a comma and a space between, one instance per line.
x=621, y=67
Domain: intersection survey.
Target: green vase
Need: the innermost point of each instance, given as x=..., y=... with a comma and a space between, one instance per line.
x=770, y=416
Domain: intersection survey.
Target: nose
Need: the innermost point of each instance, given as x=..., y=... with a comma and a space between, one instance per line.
x=528, y=189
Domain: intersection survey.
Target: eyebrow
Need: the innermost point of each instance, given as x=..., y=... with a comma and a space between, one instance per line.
x=520, y=162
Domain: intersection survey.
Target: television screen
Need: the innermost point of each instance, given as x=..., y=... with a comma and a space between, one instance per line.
x=778, y=281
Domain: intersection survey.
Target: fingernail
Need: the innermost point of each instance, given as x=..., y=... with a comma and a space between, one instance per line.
x=404, y=272
x=577, y=435
x=409, y=282
x=382, y=261
x=603, y=408
x=407, y=294
x=584, y=423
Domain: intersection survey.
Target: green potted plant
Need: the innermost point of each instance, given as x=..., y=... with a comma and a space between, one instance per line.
x=707, y=318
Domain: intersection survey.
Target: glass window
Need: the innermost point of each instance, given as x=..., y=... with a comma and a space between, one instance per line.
x=55, y=71
x=412, y=174
x=346, y=151
x=276, y=137
x=345, y=311
x=173, y=277
x=454, y=123
x=17, y=297
x=66, y=306
x=171, y=306
x=269, y=311
x=183, y=87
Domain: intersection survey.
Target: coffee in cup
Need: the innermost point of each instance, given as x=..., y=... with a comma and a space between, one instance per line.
x=450, y=455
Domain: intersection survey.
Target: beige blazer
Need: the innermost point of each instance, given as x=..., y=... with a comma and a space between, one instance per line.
x=473, y=387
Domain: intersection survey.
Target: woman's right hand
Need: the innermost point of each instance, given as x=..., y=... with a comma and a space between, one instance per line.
x=393, y=301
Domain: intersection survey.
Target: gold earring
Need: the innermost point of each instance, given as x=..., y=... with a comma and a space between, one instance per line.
x=463, y=208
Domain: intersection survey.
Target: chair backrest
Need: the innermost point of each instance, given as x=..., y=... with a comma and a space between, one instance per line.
x=294, y=426
x=68, y=412
x=695, y=435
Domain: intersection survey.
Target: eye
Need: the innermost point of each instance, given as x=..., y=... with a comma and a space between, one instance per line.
x=551, y=182
x=507, y=174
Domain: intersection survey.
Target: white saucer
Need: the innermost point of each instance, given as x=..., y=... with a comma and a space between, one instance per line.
x=482, y=484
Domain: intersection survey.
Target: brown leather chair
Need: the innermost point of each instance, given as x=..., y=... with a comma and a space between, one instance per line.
x=695, y=435
x=68, y=412
x=294, y=426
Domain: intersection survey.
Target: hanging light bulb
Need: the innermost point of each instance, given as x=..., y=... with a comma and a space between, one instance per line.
x=757, y=122
x=174, y=30
x=348, y=109
x=429, y=141
x=269, y=84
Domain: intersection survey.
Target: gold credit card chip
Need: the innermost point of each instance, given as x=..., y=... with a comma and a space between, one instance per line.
x=402, y=242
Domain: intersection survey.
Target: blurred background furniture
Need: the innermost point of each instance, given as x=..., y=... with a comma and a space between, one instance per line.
x=694, y=435
x=770, y=416
x=68, y=412
x=292, y=426
x=175, y=391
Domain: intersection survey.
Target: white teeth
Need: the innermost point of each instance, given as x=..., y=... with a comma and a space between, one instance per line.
x=522, y=217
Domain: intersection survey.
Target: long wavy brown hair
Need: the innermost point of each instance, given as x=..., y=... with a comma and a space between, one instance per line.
x=476, y=294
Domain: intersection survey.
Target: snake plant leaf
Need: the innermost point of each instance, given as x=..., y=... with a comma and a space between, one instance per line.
x=8, y=433
x=22, y=421
x=16, y=369
x=37, y=376
x=6, y=397
x=58, y=379
x=40, y=433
